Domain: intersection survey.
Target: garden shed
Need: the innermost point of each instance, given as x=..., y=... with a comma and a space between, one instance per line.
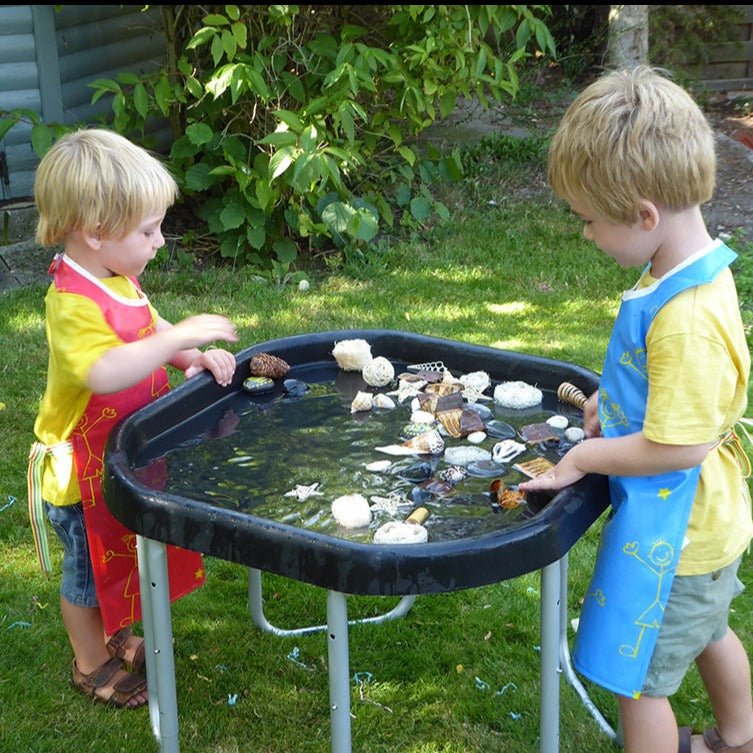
x=48, y=56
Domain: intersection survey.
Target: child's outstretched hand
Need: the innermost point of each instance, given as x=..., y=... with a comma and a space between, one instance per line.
x=563, y=474
x=219, y=362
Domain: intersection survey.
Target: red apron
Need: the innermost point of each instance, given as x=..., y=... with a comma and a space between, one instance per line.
x=112, y=546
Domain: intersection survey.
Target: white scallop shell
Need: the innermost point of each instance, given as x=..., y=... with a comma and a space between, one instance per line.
x=378, y=372
x=352, y=511
x=399, y=532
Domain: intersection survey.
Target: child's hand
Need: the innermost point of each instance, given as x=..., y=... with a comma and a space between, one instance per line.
x=591, y=426
x=203, y=329
x=565, y=473
x=219, y=362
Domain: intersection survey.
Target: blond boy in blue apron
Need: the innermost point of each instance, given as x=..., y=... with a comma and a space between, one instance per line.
x=634, y=158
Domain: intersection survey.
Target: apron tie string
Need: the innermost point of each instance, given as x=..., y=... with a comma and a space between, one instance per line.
x=37, y=455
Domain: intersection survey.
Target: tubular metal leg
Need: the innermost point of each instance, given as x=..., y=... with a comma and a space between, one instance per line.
x=339, y=671
x=566, y=664
x=158, y=642
x=256, y=608
x=549, y=719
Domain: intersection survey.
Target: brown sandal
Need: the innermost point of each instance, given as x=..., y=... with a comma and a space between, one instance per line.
x=116, y=647
x=715, y=742
x=129, y=686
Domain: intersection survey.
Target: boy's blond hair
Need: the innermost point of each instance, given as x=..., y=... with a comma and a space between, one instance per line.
x=633, y=135
x=98, y=181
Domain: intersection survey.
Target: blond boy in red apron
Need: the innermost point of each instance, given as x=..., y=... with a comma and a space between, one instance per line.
x=104, y=199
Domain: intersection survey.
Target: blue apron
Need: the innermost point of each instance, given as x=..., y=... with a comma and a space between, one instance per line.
x=643, y=537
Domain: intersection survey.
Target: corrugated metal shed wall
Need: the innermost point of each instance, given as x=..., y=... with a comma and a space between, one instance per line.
x=48, y=57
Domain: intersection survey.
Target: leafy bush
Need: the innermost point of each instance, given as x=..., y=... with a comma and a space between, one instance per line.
x=295, y=127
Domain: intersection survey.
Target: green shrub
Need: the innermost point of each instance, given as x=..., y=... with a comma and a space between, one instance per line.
x=295, y=127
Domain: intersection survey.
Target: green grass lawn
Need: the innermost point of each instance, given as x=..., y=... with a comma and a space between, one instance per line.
x=516, y=276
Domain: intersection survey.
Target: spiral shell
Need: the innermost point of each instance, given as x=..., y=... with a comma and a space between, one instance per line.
x=361, y=402
x=569, y=393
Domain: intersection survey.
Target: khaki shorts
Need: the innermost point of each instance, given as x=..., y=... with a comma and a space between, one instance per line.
x=696, y=615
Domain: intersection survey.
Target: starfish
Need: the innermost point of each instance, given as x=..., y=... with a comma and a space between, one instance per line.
x=303, y=492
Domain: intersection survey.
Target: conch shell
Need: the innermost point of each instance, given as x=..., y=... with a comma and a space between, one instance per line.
x=427, y=443
x=361, y=402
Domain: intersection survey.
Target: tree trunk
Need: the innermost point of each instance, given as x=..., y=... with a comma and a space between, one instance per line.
x=627, y=45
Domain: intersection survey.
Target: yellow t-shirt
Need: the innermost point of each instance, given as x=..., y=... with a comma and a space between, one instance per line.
x=698, y=369
x=77, y=336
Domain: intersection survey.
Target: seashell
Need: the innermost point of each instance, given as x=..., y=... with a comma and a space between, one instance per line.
x=484, y=413
x=378, y=466
x=428, y=443
x=535, y=467
x=416, y=472
x=361, y=402
x=474, y=385
x=414, y=429
x=437, y=366
x=506, y=450
x=352, y=355
x=534, y=433
x=517, y=395
x=258, y=385
x=557, y=422
x=476, y=437
x=436, y=486
x=267, y=365
x=450, y=419
x=509, y=499
x=500, y=430
x=302, y=492
x=453, y=474
x=378, y=372
x=422, y=417
x=400, y=532
x=569, y=393
x=351, y=511
x=484, y=468
x=444, y=388
x=465, y=454
x=407, y=390
x=574, y=434
x=423, y=378
x=381, y=400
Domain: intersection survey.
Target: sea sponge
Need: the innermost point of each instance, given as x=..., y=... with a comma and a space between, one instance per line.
x=351, y=511
x=517, y=395
x=352, y=355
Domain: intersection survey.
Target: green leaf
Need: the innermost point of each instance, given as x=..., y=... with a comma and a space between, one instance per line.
x=163, y=94
x=215, y=19
x=41, y=138
x=232, y=216
x=337, y=216
x=5, y=126
x=286, y=250
x=280, y=162
x=447, y=102
x=264, y=193
x=279, y=139
x=420, y=208
x=228, y=44
x=325, y=45
x=202, y=36
x=198, y=177
x=257, y=237
x=290, y=119
x=199, y=133
x=194, y=87
x=240, y=34
x=141, y=100
x=407, y=154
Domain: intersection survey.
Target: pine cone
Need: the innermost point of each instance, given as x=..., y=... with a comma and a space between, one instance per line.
x=267, y=365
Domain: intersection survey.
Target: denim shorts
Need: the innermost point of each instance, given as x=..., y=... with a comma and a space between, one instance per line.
x=77, y=586
x=696, y=615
